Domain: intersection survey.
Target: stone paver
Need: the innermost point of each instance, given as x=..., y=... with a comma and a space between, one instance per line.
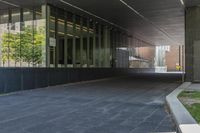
x=124, y=105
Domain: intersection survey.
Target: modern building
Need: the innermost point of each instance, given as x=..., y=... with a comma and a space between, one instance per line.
x=174, y=59
x=51, y=42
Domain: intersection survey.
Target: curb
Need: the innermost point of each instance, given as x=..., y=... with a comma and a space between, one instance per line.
x=184, y=121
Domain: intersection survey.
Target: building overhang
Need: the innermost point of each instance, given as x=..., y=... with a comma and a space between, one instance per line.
x=156, y=22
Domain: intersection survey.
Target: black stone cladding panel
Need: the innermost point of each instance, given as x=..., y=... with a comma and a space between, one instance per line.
x=16, y=79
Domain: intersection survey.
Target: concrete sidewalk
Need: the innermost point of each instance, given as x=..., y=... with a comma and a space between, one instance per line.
x=194, y=86
x=184, y=121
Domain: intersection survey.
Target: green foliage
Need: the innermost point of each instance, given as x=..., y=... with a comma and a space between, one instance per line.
x=194, y=109
x=190, y=94
x=24, y=46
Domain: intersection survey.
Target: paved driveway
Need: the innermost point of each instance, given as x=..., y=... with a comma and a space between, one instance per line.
x=124, y=105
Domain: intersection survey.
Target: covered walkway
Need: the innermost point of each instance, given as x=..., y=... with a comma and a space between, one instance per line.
x=120, y=105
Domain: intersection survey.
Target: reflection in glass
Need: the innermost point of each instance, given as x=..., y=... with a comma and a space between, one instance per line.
x=60, y=38
x=52, y=36
x=14, y=39
x=4, y=38
x=91, y=36
x=27, y=39
x=96, y=51
x=85, y=50
x=77, y=36
x=69, y=39
x=39, y=48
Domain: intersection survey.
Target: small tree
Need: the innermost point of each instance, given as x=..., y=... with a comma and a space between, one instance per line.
x=39, y=43
x=23, y=46
x=5, y=48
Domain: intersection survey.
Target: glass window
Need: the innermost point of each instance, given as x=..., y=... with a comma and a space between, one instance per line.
x=4, y=38
x=39, y=46
x=27, y=36
x=60, y=38
x=112, y=44
x=70, y=39
x=14, y=39
x=97, y=44
x=106, y=47
x=85, y=50
x=22, y=38
x=77, y=37
x=74, y=41
x=91, y=39
x=52, y=36
x=102, y=55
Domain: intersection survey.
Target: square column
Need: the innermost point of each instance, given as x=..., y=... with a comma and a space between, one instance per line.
x=192, y=44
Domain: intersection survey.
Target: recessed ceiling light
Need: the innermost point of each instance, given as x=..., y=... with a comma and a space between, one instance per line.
x=91, y=14
x=149, y=21
x=182, y=2
x=9, y=3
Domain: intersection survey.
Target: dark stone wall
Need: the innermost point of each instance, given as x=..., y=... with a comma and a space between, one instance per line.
x=192, y=34
x=16, y=79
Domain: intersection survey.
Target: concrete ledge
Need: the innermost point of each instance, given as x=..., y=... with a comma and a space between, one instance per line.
x=183, y=119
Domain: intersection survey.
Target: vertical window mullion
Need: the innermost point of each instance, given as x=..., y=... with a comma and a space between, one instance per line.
x=74, y=41
x=81, y=42
x=66, y=42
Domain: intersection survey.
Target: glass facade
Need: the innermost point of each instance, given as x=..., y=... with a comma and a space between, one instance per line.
x=141, y=54
x=80, y=41
x=48, y=36
x=22, y=38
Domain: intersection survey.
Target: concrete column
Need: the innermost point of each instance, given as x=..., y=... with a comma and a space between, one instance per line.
x=192, y=44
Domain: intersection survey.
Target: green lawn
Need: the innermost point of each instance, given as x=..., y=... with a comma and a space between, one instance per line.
x=193, y=107
x=190, y=94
